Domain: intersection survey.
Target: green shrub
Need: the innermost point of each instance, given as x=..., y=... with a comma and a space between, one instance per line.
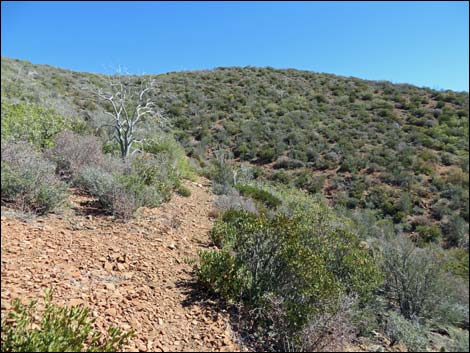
x=183, y=191
x=57, y=329
x=155, y=171
x=261, y=195
x=412, y=334
x=458, y=262
x=288, y=163
x=455, y=231
x=458, y=342
x=98, y=183
x=305, y=259
x=167, y=145
x=235, y=202
x=111, y=191
x=266, y=155
x=32, y=123
x=222, y=173
x=119, y=195
x=218, y=270
x=281, y=176
x=306, y=180
x=428, y=234
x=28, y=180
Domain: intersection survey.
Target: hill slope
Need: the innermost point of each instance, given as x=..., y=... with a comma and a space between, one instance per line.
x=398, y=149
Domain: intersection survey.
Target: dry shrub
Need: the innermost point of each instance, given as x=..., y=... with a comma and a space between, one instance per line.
x=124, y=204
x=235, y=202
x=329, y=332
x=73, y=152
x=112, y=196
x=28, y=181
x=324, y=332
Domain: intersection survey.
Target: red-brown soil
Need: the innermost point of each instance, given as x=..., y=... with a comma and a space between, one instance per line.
x=133, y=275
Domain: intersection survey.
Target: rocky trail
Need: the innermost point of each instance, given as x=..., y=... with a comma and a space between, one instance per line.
x=135, y=275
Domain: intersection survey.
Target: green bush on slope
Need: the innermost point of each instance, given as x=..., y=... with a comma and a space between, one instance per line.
x=58, y=329
x=32, y=123
x=307, y=260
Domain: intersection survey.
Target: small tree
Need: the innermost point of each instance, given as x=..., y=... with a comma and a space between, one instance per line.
x=128, y=105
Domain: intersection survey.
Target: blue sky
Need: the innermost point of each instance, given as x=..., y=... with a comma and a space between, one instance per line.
x=422, y=43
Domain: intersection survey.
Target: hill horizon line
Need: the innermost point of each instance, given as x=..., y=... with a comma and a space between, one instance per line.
x=242, y=67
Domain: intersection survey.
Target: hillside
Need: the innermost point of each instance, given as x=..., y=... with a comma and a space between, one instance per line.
x=336, y=216
x=398, y=149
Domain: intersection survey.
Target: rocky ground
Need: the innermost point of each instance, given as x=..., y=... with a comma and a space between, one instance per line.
x=135, y=275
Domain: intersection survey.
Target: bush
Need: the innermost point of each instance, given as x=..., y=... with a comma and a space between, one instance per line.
x=235, y=202
x=124, y=203
x=167, y=145
x=32, y=123
x=98, y=183
x=28, y=180
x=428, y=234
x=222, y=174
x=415, y=279
x=146, y=180
x=306, y=259
x=324, y=332
x=266, y=154
x=454, y=311
x=455, y=231
x=412, y=334
x=61, y=329
x=110, y=190
x=183, y=191
x=72, y=152
x=305, y=180
x=261, y=195
x=218, y=270
x=458, y=262
x=288, y=163
x=459, y=341
x=158, y=172
x=281, y=176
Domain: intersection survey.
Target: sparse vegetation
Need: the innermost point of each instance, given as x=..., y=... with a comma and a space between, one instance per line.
x=294, y=121
x=325, y=186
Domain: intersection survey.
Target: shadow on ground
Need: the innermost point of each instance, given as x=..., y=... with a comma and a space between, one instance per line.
x=88, y=205
x=241, y=321
x=91, y=208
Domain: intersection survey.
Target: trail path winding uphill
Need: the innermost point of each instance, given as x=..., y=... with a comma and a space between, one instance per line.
x=133, y=275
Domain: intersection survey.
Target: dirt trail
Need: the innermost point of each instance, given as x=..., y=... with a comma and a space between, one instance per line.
x=133, y=275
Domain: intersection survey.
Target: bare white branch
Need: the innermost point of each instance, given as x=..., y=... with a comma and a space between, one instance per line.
x=129, y=107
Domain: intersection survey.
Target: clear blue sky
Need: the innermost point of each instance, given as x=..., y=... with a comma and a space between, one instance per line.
x=422, y=43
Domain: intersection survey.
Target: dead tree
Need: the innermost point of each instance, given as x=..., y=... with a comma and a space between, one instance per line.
x=129, y=104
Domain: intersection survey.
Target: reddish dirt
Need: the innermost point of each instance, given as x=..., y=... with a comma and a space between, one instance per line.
x=132, y=275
